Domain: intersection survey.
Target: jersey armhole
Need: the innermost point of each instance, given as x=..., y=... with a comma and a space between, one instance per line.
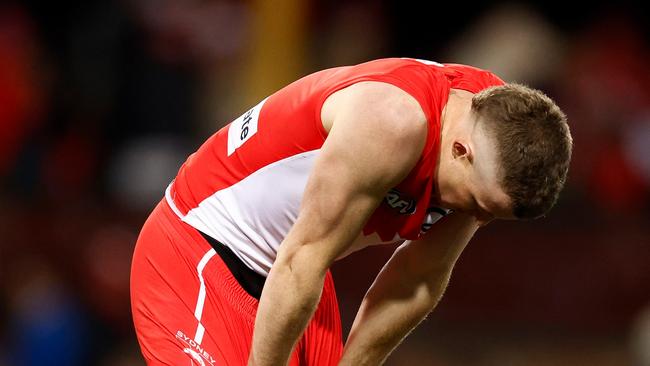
x=385, y=78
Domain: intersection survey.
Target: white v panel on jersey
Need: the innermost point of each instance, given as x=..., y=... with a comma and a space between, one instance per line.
x=257, y=212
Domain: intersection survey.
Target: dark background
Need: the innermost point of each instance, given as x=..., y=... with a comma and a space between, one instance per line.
x=100, y=102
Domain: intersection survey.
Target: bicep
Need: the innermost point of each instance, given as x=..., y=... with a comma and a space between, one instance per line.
x=369, y=149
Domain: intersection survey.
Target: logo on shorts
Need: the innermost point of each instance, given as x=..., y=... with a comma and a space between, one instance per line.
x=194, y=350
x=195, y=356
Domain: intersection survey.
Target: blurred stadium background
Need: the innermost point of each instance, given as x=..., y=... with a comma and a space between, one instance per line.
x=100, y=102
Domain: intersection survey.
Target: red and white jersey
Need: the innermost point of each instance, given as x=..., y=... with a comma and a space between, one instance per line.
x=245, y=184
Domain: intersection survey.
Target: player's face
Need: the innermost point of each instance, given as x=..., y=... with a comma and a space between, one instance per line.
x=488, y=201
x=481, y=197
x=478, y=191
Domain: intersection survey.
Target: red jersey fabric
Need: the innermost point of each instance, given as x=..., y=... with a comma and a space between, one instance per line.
x=260, y=162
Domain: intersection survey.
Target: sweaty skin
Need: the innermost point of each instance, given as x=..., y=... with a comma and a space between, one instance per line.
x=376, y=136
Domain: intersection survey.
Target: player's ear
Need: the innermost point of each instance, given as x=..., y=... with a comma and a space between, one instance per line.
x=461, y=149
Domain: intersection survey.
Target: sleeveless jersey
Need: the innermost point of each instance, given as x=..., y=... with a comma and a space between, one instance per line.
x=244, y=185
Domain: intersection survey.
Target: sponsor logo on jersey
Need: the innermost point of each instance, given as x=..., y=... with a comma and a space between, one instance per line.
x=195, y=350
x=433, y=215
x=397, y=200
x=243, y=128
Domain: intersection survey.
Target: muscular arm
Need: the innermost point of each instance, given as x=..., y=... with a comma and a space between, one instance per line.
x=377, y=135
x=406, y=290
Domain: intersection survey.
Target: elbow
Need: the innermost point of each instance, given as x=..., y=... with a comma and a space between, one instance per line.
x=302, y=262
x=434, y=274
x=293, y=277
x=436, y=282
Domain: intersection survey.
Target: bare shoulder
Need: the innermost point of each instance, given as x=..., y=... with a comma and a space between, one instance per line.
x=378, y=129
x=386, y=105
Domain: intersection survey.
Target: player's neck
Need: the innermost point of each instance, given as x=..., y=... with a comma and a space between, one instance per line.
x=454, y=124
x=454, y=115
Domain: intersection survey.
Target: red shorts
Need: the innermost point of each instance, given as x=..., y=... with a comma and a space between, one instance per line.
x=188, y=309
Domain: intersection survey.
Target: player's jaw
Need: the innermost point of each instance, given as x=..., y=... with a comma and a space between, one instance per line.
x=485, y=202
x=476, y=190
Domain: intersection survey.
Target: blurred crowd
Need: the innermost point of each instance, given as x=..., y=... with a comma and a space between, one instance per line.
x=100, y=103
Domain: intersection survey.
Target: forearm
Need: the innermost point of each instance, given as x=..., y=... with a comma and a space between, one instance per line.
x=288, y=301
x=406, y=290
x=388, y=313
